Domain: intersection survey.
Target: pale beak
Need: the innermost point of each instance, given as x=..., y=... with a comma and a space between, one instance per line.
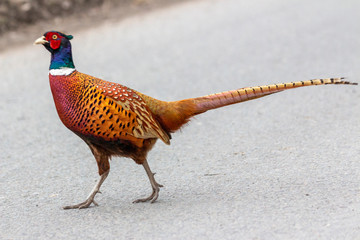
x=40, y=40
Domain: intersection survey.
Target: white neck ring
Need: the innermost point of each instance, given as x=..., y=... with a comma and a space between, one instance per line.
x=61, y=71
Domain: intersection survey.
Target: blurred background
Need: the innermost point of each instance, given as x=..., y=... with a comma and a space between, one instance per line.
x=19, y=18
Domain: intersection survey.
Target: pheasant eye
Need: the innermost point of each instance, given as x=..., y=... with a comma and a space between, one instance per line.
x=54, y=37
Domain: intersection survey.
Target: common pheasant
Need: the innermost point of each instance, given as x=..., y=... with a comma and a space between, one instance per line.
x=115, y=120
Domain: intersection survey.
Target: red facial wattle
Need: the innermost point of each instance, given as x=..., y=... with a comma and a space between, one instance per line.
x=54, y=39
x=55, y=44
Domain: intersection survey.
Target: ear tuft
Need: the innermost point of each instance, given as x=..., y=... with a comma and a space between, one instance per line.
x=69, y=37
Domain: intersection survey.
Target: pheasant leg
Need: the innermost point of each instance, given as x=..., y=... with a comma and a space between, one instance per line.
x=155, y=186
x=90, y=198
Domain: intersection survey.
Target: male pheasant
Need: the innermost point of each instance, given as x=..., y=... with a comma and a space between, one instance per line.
x=115, y=120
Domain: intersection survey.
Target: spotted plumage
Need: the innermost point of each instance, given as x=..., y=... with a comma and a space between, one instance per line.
x=104, y=110
x=115, y=120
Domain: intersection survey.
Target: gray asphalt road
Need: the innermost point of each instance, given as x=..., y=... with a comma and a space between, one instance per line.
x=281, y=167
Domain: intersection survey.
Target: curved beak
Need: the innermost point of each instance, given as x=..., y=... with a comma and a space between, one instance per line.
x=40, y=40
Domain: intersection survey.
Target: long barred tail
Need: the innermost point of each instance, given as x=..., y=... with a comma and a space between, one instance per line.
x=173, y=115
x=217, y=100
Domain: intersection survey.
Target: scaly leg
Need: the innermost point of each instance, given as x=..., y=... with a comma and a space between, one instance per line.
x=90, y=198
x=155, y=186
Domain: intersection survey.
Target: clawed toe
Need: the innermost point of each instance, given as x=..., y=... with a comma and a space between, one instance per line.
x=151, y=198
x=82, y=205
x=154, y=195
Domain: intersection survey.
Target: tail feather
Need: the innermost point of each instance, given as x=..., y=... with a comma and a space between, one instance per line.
x=173, y=115
x=217, y=100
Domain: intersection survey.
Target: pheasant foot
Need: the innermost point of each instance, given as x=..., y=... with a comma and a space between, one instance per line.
x=90, y=198
x=153, y=196
x=155, y=186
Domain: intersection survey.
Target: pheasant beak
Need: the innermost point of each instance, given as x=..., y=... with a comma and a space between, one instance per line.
x=40, y=40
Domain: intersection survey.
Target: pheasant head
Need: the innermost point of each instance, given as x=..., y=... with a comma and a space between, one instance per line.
x=58, y=44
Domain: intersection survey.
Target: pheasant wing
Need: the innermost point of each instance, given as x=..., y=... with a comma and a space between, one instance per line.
x=115, y=111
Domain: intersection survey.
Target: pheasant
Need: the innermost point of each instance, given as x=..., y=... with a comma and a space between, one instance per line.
x=114, y=120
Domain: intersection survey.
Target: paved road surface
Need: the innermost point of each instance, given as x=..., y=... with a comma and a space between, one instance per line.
x=282, y=167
